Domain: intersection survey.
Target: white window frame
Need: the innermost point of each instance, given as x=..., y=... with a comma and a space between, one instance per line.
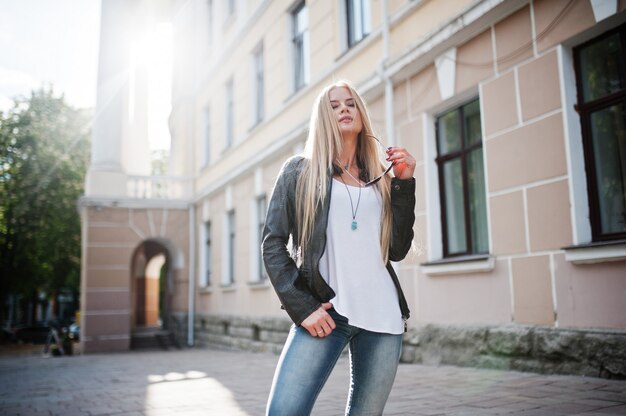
x=582, y=251
x=231, y=8
x=431, y=182
x=449, y=219
x=229, y=113
x=206, y=256
x=298, y=8
x=206, y=137
x=210, y=19
x=579, y=199
x=258, y=84
x=258, y=210
x=228, y=265
x=431, y=177
x=360, y=19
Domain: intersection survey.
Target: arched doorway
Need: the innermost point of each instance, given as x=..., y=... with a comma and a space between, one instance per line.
x=151, y=294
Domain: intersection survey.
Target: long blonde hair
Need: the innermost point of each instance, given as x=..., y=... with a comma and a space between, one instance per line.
x=323, y=146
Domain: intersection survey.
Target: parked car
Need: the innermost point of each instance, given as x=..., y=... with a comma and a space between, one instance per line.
x=36, y=333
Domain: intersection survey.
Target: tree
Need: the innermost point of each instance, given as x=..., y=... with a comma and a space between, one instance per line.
x=44, y=154
x=160, y=160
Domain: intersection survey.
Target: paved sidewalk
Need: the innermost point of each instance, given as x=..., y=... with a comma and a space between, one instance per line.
x=211, y=382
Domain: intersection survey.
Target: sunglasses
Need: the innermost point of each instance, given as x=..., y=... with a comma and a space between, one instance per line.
x=382, y=155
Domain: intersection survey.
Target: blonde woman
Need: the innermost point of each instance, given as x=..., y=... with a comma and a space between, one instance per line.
x=347, y=218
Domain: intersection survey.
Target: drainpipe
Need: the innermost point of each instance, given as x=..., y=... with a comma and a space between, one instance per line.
x=192, y=267
x=389, y=116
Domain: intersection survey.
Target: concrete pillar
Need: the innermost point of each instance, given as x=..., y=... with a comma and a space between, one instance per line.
x=105, y=176
x=190, y=35
x=120, y=130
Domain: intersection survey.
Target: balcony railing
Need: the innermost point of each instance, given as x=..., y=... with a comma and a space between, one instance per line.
x=159, y=187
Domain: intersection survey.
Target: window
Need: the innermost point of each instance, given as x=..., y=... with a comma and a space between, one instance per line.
x=206, y=143
x=462, y=181
x=358, y=20
x=229, y=275
x=259, y=84
x=230, y=117
x=600, y=67
x=300, y=45
x=261, y=208
x=231, y=8
x=207, y=265
x=209, y=26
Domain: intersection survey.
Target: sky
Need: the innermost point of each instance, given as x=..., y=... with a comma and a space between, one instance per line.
x=55, y=42
x=49, y=42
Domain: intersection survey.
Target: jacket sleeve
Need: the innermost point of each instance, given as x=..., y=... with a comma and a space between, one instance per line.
x=281, y=268
x=403, y=213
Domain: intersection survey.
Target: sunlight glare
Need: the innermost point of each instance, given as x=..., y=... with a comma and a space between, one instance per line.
x=195, y=374
x=151, y=69
x=174, y=376
x=204, y=395
x=159, y=87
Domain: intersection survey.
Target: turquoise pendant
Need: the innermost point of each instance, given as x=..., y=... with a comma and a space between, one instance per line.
x=353, y=225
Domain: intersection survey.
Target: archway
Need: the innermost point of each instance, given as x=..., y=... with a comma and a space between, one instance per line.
x=151, y=293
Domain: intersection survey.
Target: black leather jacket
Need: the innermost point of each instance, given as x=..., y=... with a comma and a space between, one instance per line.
x=301, y=290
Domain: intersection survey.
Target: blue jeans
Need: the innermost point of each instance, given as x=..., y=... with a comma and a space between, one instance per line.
x=306, y=362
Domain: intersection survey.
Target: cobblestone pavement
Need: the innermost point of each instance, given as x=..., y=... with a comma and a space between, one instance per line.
x=211, y=382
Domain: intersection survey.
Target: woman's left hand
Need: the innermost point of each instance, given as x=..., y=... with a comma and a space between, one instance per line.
x=403, y=162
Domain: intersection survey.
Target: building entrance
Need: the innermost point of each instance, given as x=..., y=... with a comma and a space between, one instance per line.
x=151, y=289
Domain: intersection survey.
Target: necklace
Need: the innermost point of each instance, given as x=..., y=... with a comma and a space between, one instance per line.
x=354, y=211
x=355, y=179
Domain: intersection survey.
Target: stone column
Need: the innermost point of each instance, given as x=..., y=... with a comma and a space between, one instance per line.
x=120, y=129
x=106, y=176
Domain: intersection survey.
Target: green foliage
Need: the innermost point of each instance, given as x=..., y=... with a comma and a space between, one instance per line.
x=44, y=154
x=160, y=160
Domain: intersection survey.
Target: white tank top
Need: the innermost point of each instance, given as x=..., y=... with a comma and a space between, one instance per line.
x=352, y=264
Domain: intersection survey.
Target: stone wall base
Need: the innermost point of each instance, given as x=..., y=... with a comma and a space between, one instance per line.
x=177, y=325
x=594, y=353
x=258, y=334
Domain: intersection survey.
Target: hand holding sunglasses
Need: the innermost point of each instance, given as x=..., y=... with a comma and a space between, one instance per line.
x=402, y=162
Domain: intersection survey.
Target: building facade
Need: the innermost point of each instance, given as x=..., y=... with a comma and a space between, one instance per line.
x=515, y=112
